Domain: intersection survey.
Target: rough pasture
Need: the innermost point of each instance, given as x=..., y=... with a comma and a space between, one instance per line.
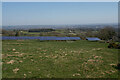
x=58, y=59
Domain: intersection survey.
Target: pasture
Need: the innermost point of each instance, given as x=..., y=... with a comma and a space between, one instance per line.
x=58, y=59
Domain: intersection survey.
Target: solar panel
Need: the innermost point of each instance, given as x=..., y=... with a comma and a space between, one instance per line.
x=92, y=38
x=40, y=38
x=60, y=38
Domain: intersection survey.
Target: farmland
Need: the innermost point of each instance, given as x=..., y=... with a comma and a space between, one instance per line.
x=58, y=59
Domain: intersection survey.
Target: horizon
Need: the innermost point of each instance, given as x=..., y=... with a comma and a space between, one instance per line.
x=65, y=24
x=27, y=27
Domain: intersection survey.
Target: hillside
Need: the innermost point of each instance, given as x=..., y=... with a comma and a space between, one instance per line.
x=58, y=59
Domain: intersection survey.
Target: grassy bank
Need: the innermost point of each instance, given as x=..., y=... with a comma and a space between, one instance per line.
x=58, y=59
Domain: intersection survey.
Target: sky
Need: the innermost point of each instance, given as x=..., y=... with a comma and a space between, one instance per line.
x=0, y=14
x=60, y=0
x=59, y=13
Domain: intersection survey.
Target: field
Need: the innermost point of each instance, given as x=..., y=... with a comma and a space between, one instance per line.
x=58, y=59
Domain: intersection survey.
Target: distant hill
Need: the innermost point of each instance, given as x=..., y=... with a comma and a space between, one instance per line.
x=26, y=27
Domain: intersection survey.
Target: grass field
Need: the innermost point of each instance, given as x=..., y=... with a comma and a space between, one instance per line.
x=58, y=59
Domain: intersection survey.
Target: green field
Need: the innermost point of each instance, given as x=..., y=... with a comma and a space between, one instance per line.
x=58, y=59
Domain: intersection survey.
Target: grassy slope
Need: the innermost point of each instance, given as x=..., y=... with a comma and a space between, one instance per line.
x=55, y=59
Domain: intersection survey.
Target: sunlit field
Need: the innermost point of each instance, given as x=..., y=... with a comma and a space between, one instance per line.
x=58, y=59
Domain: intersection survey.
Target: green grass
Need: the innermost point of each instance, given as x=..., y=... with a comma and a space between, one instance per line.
x=58, y=59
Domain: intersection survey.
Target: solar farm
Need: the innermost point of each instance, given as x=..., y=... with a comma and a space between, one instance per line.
x=45, y=38
x=24, y=58
x=92, y=39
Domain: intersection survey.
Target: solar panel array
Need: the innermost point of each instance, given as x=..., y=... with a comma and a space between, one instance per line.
x=40, y=38
x=92, y=38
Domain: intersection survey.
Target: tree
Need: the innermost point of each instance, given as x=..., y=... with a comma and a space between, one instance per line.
x=17, y=33
x=107, y=33
x=8, y=33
